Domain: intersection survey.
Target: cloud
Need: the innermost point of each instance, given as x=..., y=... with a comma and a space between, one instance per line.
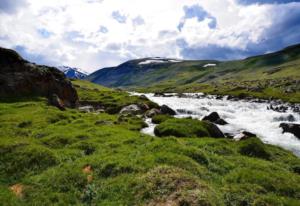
x=196, y=11
x=119, y=17
x=103, y=29
x=10, y=6
x=137, y=21
x=93, y=33
x=247, y=2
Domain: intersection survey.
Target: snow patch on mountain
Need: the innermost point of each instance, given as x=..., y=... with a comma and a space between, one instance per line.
x=72, y=72
x=209, y=65
x=159, y=60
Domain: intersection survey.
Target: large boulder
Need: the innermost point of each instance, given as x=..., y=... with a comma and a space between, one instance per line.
x=214, y=118
x=291, y=128
x=131, y=109
x=19, y=78
x=167, y=110
x=152, y=112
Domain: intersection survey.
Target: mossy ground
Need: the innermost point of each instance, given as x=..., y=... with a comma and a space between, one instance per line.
x=73, y=158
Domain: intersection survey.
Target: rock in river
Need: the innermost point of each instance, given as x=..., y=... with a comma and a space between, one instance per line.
x=291, y=128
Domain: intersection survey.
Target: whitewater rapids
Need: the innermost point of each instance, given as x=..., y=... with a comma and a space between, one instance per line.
x=241, y=115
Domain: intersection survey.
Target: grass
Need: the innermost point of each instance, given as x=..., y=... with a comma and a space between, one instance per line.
x=269, y=76
x=47, y=155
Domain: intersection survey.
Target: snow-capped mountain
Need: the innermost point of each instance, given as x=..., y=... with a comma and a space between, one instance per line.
x=74, y=73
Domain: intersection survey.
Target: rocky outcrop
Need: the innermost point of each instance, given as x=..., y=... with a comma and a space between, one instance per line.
x=214, y=118
x=291, y=128
x=167, y=110
x=132, y=109
x=19, y=78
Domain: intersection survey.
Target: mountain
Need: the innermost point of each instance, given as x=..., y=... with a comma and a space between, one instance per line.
x=270, y=75
x=20, y=78
x=72, y=72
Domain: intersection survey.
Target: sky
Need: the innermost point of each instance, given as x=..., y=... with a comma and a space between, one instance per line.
x=93, y=34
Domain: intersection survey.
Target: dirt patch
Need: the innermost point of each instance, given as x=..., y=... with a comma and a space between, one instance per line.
x=87, y=169
x=17, y=189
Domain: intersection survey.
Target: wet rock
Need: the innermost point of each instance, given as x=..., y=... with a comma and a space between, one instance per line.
x=289, y=118
x=215, y=118
x=159, y=94
x=184, y=111
x=280, y=108
x=167, y=110
x=86, y=109
x=54, y=100
x=152, y=112
x=244, y=135
x=291, y=128
x=131, y=109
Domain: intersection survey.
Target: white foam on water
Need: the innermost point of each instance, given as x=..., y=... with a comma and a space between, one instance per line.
x=241, y=116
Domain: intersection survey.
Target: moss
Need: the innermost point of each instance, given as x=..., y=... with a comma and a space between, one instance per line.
x=253, y=147
x=185, y=128
x=157, y=119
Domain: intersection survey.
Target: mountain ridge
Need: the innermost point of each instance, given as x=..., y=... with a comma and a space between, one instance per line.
x=256, y=75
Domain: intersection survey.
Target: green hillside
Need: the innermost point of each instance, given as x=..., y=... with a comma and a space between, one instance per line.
x=54, y=157
x=274, y=75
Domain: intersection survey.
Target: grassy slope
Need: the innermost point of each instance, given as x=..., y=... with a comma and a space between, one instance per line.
x=45, y=150
x=273, y=75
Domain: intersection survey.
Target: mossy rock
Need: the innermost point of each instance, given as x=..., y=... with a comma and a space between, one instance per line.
x=187, y=128
x=157, y=119
x=254, y=147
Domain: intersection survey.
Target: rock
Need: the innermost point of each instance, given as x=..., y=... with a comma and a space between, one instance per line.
x=152, y=112
x=159, y=94
x=214, y=118
x=19, y=78
x=214, y=130
x=54, y=100
x=144, y=106
x=291, y=128
x=144, y=97
x=131, y=109
x=289, y=118
x=184, y=111
x=167, y=110
x=86, y=109
x=244, y=135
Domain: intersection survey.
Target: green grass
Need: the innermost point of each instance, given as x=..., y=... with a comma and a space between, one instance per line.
x=267, y=76
x=186, y=127
x=45, y=150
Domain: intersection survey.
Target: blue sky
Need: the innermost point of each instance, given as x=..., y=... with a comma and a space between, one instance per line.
x=92, y=34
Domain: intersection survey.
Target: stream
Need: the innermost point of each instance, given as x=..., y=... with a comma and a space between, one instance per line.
x=242, y=115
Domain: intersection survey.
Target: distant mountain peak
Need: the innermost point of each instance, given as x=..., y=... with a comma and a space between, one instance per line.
x=72, y=72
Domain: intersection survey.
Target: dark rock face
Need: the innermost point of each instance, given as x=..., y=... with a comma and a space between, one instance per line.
x=214, y=130
x=167, y=110
x=291, y=128
x=19, y=77
x=57, y=102
x=214, y=118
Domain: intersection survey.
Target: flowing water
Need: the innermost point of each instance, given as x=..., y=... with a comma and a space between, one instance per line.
x=241, y=115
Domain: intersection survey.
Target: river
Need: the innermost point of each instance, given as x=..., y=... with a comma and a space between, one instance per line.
x=242, y=115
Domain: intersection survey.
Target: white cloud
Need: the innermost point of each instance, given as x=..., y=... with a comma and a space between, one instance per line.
x=85, y=34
